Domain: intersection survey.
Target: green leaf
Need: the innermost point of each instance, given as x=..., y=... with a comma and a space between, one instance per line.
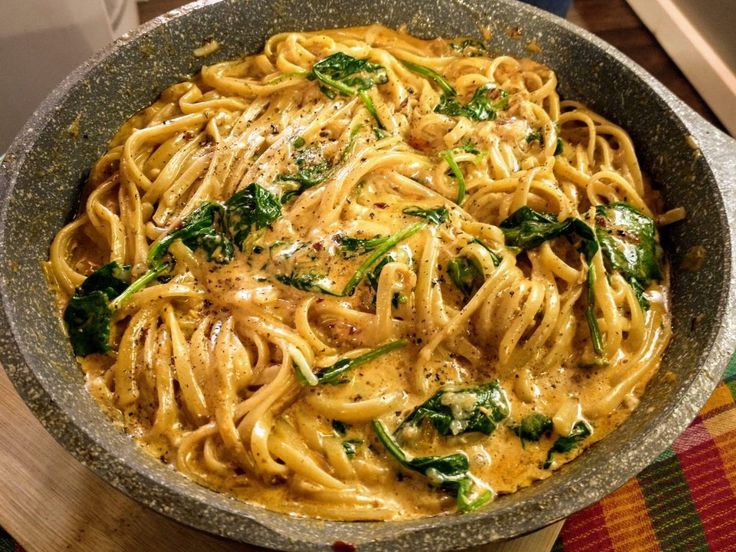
x=111, y=279
x=307, y=281
x=349, y=76
x=469, y=147
x=629, y=244
x=87, y=320
x=446, y=87
x=199, y=222
x=350, y=446
x=533, y=426
x=560, y=147
x=470, y=47
x=446, y=472
x=434, y=216
x=312, y=169
x=215, y=244
x=480, y=107
x=251, y=208
x=580, y=431
x=595, y=331
x=467, y=275
x=459, y=177
x=340, y=428
x=375, y=274
x=334, y=374
x=90, y=310
x=379, y=252
x=535, y=136
x=456, y=411
x=360, y=245
x=527, y=229
x=494, y=256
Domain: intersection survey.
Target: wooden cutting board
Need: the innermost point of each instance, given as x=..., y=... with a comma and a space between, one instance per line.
x=50, y=502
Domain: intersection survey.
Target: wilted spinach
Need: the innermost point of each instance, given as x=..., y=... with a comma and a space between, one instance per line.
x=450, y=472
x=456, y=411
x=580, y=431
x=340, y=73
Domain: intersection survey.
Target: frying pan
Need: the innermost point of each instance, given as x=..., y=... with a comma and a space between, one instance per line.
x=692, y=163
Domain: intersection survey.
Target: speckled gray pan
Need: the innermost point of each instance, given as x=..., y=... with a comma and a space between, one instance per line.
x=693, y=164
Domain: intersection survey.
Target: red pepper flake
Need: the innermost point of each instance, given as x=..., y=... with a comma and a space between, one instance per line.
x=340, y=546
x=317, y=246
x=381, y=205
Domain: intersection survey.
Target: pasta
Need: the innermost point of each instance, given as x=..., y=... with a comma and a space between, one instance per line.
x=361, y=275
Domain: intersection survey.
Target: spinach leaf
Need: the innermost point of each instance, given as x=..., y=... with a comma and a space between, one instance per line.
x=349, y=76
x=480, y=107
x=379, y=252
x=459, y=177
x=467, y=275
x=446, y=87
x=591, y=319
x=88, y=315
x=457, y=411
x=198, y=230
x=251, y=208
x=470, y=47
x=535, y=136
x=527, y=228
x=539, y=137
x=560, y=147
x=580, y=431
x=87, y=318
x=494, y=256
x=334, y=374
x=111, y=279
x=532, y=427
x=469, y=147
x=373, y=276
x=307, y=281
x=340, y=428
x=628, y=241
x=437, y=215
x=360, y=245
x=312, y=169
x=450, y=472
x=350, y=446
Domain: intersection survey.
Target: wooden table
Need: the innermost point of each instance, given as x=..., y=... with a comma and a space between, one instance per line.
x=50, y=502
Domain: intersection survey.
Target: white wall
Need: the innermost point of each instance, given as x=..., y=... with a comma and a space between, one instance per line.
x=42, y=41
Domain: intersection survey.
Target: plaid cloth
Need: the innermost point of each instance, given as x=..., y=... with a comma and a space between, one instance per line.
x=684, y=501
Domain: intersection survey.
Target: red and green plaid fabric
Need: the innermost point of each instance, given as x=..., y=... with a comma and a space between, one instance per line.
x=685, y=500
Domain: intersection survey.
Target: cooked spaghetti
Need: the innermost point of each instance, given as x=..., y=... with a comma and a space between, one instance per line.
x=361, y=276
